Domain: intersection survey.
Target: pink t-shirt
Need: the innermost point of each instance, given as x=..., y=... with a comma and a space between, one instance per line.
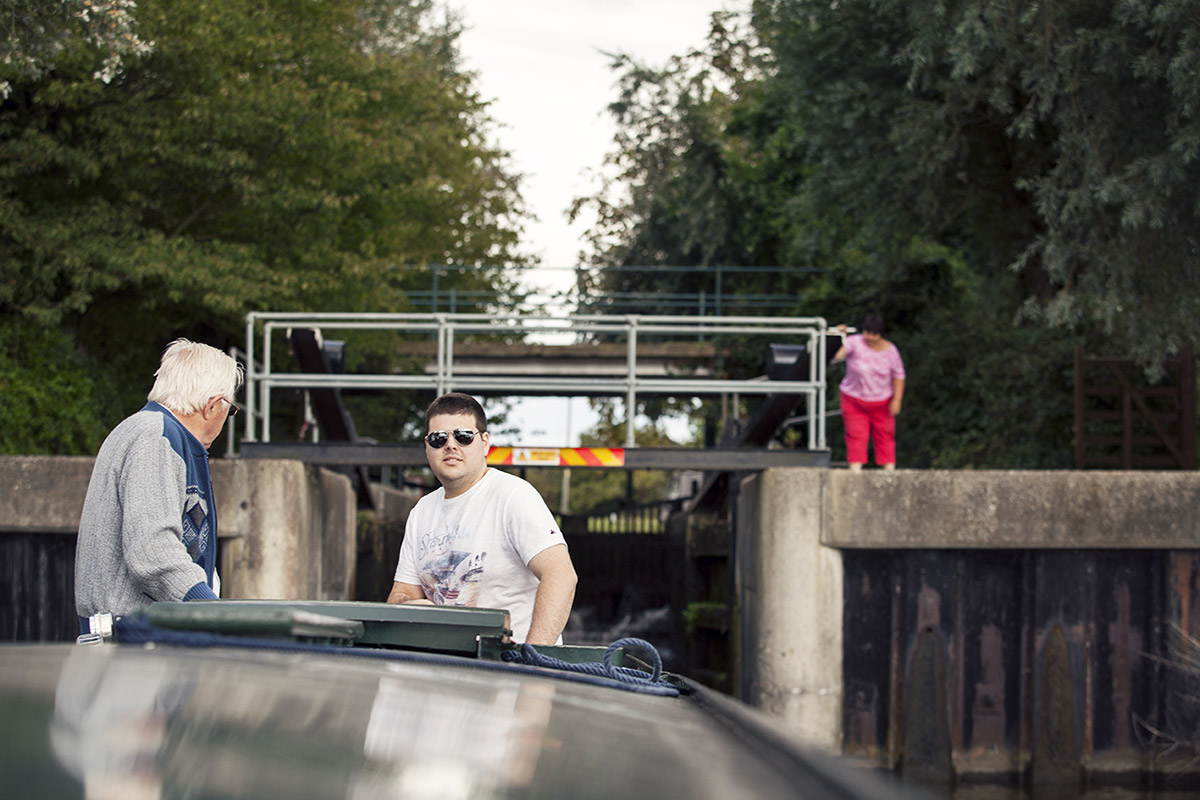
x=869, y=373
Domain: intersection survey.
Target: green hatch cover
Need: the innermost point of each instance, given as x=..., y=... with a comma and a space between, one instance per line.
x=472, y=632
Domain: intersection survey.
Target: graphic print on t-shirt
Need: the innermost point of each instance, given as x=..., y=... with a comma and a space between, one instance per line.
x=449, y=577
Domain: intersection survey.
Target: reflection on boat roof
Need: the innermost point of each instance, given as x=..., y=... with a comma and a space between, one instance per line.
x=315, y=713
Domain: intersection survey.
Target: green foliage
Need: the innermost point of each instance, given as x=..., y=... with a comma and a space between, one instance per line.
x=1002, y=182
x=315, y=155
x=685, y=189
x=49, y=395
x=1057, y=141
x=38, y=35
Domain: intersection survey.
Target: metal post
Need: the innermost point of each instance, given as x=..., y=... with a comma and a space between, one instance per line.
x=440, y=386
x=822, y=394
x=231, y=421
x=449, y=386
x=631, y=324
x=310, y=419
x=251, y=405
x=564, y=500
x=718, y=274
x=265, y=384
x=815, y=360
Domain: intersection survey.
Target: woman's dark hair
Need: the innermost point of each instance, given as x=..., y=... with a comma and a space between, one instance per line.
x=874, y=324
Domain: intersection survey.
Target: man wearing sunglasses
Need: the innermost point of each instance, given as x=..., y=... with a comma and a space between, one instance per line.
x=485, y=538
x=148, y=531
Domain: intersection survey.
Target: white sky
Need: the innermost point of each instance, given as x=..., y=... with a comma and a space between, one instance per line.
x=543, y=67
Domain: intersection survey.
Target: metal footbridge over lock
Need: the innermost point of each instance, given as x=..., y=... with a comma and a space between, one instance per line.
x=629, y=357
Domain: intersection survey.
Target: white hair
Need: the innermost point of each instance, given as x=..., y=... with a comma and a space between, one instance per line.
x=191, y=374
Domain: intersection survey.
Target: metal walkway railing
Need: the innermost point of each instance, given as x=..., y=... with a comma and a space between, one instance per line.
x=450, y=329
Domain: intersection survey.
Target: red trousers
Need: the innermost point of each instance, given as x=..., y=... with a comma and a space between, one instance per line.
x=863, y=419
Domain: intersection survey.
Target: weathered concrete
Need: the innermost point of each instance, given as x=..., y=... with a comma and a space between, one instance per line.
x=287, y=530
x=43, y=494
x=796, y=522
x=1011, y=509
x=790, y=594
x=291, y=530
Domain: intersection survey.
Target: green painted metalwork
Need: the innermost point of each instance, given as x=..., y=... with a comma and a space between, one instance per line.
x=441, y=629
x=481, y=633
x=266, y=621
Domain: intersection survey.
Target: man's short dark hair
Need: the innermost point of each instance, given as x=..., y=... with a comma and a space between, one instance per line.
x=457, y=403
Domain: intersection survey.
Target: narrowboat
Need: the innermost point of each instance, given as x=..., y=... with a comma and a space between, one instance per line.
x=284, y=699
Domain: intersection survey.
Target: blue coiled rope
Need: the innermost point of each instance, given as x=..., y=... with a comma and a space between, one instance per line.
x=636, y=679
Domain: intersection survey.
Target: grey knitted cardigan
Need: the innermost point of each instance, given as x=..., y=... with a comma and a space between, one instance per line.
x=149, y=526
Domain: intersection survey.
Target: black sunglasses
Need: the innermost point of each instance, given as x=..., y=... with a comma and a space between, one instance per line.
x=464, y=436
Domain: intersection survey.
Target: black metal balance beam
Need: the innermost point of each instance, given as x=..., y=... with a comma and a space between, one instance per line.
x=413, y=455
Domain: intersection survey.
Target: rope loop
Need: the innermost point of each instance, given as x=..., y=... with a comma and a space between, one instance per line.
x=633, y=679
x=641, y=644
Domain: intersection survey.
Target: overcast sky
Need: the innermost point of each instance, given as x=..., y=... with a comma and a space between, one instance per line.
x=542, y=65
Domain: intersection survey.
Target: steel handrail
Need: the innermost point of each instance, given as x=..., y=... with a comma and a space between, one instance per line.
x=260, y=380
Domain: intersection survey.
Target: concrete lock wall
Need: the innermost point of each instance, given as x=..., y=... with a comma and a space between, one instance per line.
x=287, y=530
x=796, y=524
x=789, y=588
x=1013, y=509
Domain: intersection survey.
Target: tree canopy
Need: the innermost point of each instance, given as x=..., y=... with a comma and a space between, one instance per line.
x=1000, y=181
x=38, y=33
x=308, y=155
x=1055, y=141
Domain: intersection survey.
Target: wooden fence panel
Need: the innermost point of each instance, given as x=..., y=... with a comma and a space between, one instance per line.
x=1122, y=422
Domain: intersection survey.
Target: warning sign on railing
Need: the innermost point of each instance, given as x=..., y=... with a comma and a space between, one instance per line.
x=556, y=457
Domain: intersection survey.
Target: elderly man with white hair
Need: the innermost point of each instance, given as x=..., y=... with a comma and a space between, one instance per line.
x=149, y=527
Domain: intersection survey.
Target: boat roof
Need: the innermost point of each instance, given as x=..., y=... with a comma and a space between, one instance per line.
x=300, y=715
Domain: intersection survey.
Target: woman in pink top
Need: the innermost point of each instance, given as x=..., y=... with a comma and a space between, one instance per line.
x=871, y=393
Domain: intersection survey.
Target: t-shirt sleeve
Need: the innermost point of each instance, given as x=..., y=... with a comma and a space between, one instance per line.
x=406, y=568
x=897, y=364
x=531, y=526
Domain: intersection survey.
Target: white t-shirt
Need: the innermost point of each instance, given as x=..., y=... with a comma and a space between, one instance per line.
x=473, y=550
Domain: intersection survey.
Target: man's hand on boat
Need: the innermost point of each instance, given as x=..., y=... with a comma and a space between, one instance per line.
x=408, y=594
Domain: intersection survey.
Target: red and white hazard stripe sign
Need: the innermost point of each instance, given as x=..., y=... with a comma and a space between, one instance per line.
x=556, y=457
